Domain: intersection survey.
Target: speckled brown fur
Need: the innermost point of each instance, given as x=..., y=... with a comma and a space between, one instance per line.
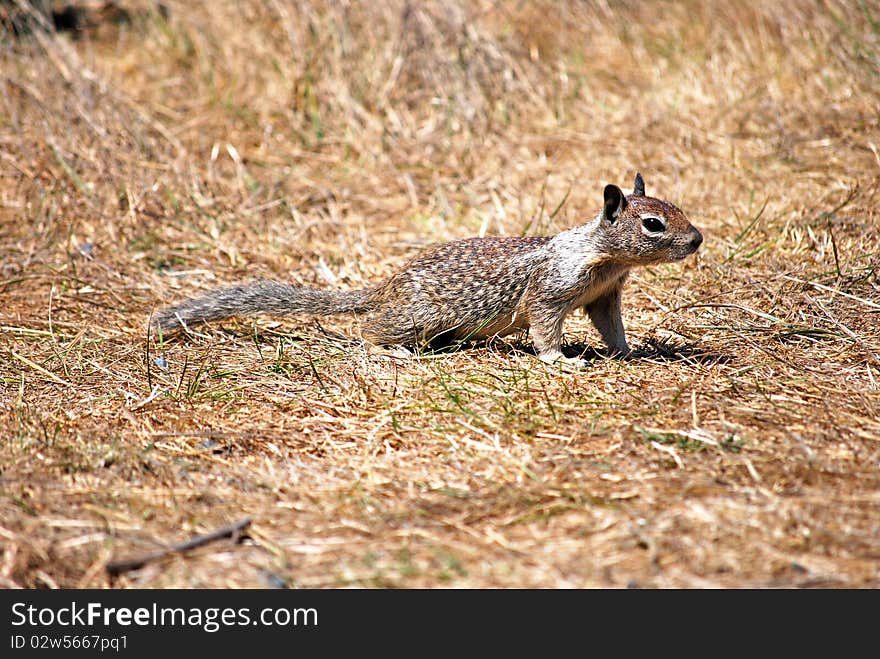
x=481, y=287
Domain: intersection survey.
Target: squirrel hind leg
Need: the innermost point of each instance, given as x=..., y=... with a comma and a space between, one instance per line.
x=566, y=363
x=386, y=328
x=395, y=327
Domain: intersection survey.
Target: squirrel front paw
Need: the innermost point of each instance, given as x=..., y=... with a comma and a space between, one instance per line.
x=557, y=357
x=620, y=351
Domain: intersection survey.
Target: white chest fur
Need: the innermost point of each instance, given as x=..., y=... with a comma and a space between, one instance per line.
x=581, y=270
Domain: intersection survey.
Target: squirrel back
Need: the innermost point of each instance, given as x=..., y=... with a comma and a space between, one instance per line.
x=481, y=287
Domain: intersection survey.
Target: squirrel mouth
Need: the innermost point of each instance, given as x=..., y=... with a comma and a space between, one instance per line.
x=688, y=250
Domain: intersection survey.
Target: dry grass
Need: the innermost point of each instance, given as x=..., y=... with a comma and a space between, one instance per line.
x=152, y=159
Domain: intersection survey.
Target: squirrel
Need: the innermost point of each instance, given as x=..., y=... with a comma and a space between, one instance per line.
x=477, y=288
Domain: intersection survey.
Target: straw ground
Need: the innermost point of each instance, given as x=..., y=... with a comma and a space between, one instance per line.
x=159, y=154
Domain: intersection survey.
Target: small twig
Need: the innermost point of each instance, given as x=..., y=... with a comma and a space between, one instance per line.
x=697, y=434
x=669, y=450
x=156, y=391
x=834, y=247
x=116, y=568
x=39, y=368
x=833, y=290
x=752, y=471
x=147, y=347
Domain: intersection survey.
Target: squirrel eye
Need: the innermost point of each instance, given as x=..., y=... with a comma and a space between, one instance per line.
x=653, y=225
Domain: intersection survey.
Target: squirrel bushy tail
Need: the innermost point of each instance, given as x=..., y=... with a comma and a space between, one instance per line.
x=262, y=296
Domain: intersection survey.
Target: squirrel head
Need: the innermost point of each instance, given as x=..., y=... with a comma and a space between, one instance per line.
x=645, y=229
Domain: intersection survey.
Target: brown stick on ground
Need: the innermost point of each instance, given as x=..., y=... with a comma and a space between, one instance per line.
x=116, y=568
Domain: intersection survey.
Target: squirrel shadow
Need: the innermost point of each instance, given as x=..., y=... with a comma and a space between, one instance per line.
x=665, y=350
x=651, y=349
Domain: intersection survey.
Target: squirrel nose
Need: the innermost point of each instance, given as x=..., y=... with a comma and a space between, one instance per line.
x=697, y=240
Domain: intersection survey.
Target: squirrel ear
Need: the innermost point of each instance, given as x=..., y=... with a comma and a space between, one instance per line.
x=615, y=202
x=639, y=186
